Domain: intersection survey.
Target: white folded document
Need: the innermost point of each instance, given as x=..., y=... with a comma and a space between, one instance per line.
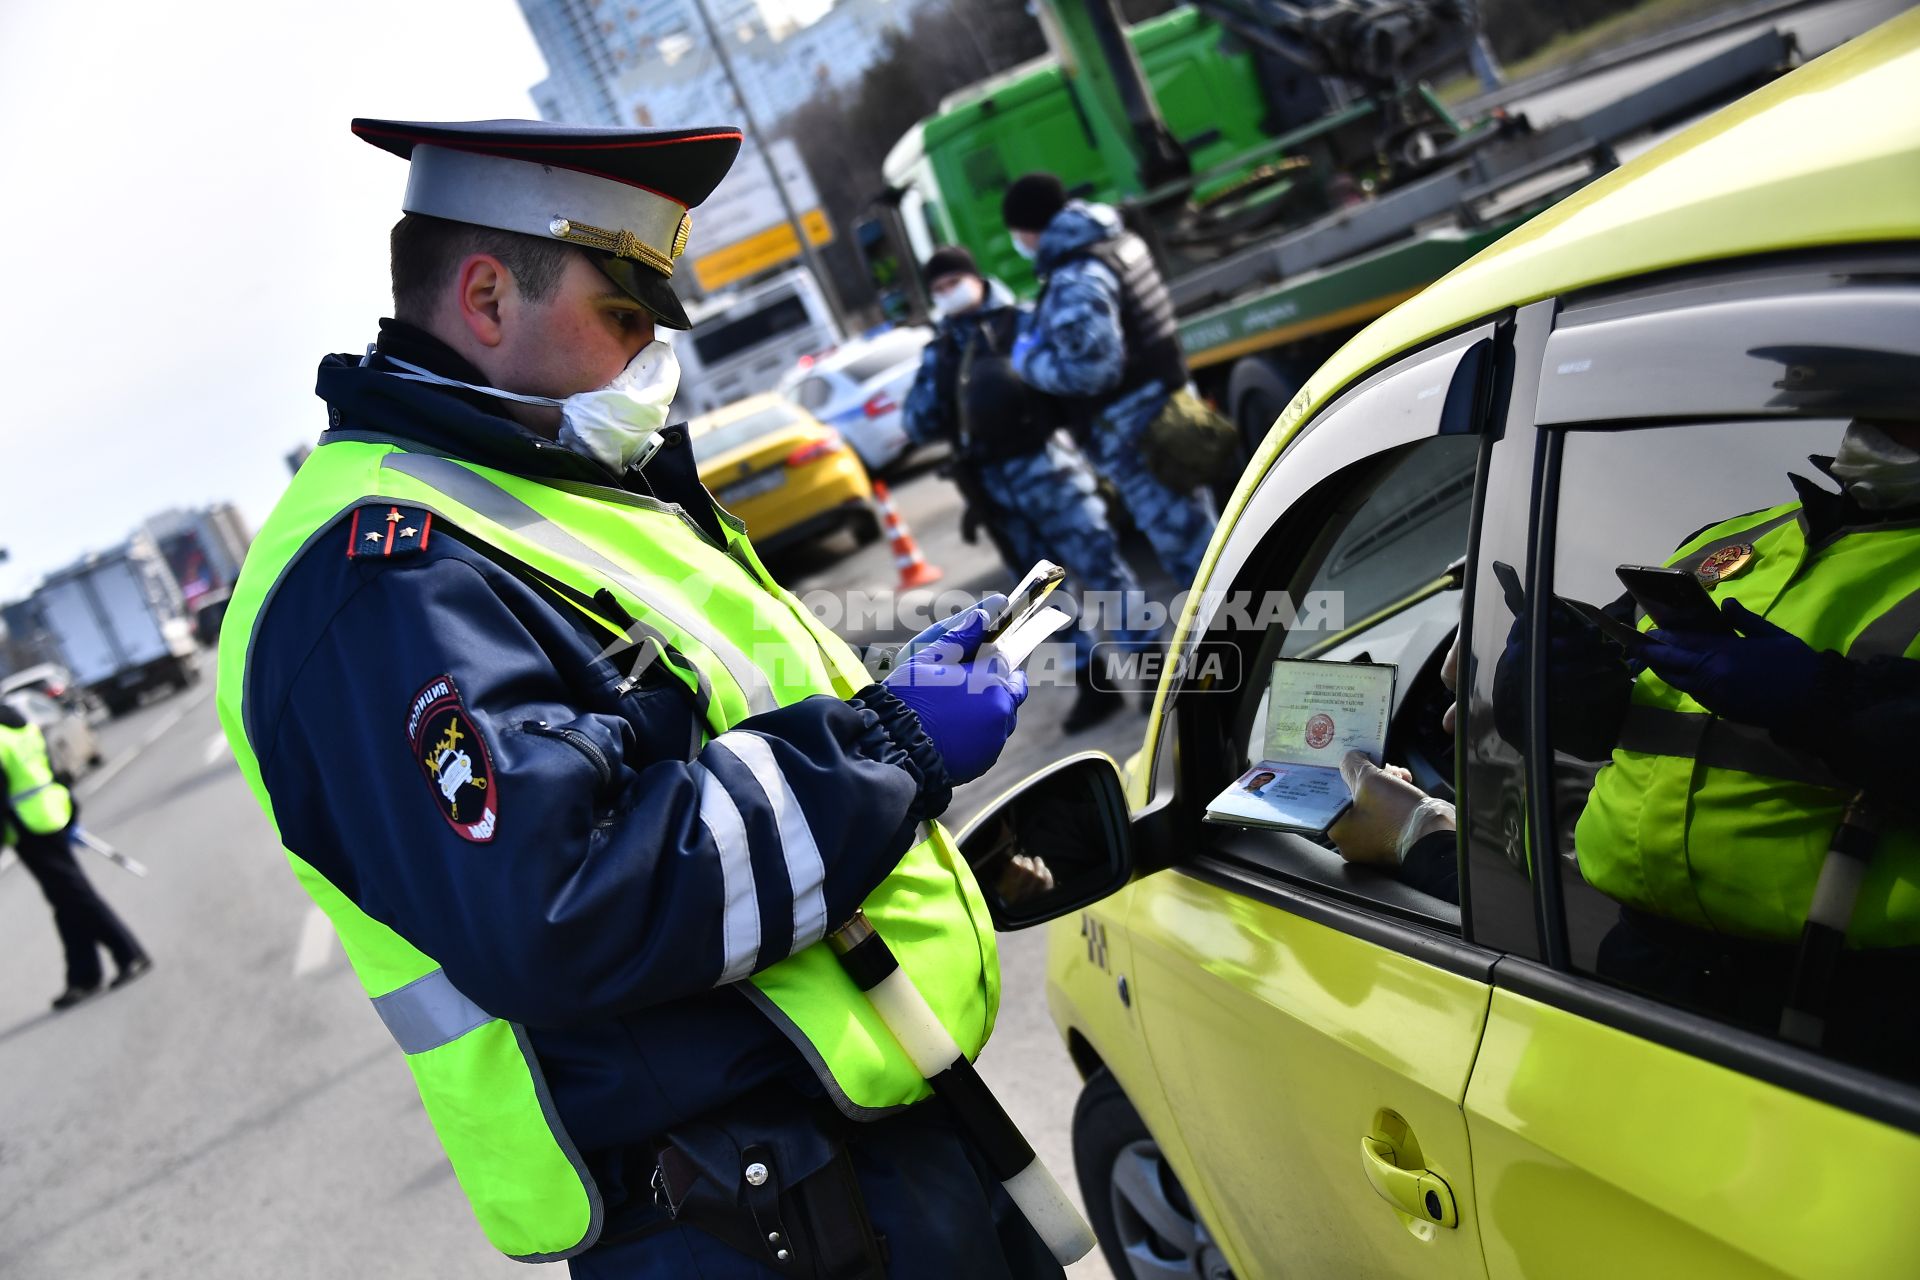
x=1017, y=643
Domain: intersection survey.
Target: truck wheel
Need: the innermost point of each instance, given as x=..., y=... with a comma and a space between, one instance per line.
x=1258, y=391
x=117, y=704
x=1147, y=1227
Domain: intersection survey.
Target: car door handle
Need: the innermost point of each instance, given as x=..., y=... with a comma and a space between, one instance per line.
x=1418, y=1193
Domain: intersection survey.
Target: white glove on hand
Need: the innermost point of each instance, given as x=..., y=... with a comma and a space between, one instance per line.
x=1389, y=814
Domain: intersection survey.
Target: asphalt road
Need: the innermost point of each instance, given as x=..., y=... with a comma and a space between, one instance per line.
x=241, y=1111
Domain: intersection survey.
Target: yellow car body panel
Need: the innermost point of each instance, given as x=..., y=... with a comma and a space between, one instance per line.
x=1583, y=1172
x=1236, y=1002
x=1255, y=1011
x=811, y=493
x=1088, y=955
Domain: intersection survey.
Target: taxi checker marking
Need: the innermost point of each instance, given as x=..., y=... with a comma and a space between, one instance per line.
x=455, y=760
x=1320, y=731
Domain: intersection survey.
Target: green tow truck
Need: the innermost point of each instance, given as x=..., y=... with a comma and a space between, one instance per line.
x=1290, y=166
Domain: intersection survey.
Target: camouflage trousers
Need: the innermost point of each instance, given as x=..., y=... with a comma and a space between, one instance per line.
x=1050, y=508
x=1179, y=525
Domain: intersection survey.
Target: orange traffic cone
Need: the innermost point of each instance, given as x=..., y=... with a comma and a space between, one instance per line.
x=914, y=570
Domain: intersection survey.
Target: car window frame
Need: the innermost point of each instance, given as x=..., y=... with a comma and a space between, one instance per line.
x=1552, y=979
x=1310, y=459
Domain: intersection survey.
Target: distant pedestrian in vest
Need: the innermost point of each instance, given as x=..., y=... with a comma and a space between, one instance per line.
x=1023, y=480
x=1102, y=337
x=38, y=823
x=582, y=789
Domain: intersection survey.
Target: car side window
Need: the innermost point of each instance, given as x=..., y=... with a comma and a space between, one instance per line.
x=1378, y=582
x=1371, y=588
x=1700, y=784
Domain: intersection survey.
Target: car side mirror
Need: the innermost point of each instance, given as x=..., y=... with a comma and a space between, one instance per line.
x=1056, y=842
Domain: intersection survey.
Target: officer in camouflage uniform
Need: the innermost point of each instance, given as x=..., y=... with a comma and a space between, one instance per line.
x=1102, y=338
x=1041, y=500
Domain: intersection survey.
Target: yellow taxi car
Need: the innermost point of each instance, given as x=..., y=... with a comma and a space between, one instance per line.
x=1296, y=1065
x=780, y=470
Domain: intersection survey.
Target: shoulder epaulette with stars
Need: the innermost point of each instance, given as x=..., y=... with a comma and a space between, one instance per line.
x=384, y=530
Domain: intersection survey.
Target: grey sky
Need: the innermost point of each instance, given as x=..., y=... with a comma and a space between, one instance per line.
x=191, y=226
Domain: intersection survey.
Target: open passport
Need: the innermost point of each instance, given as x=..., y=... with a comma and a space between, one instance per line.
x=1316, y=713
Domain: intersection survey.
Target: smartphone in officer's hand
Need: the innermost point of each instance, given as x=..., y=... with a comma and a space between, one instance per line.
x=1674, y=599
x=1510, y=588
x=1026, y=598
x=1516, y=597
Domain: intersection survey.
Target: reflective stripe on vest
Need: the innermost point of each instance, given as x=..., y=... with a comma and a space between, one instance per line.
x=476, y=493
x=428, y=1012
x=1715, y=824
x=38, y=801
x=744, y=646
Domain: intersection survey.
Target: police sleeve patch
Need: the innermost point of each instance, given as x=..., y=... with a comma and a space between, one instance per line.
x=455, y=760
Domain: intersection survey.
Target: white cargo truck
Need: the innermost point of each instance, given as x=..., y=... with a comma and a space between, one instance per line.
x=120, y=624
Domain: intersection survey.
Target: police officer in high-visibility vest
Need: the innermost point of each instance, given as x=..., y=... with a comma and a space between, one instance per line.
x=37, y=822
x=581, y=788
x=1755, y=818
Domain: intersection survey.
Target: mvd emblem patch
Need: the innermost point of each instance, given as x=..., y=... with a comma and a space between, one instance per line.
x=455, y=760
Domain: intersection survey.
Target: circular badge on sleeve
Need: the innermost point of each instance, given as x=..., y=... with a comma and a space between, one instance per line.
x=455, y=759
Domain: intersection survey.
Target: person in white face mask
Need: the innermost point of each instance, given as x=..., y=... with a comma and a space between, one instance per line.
x=1025, y=482
x=581, y=788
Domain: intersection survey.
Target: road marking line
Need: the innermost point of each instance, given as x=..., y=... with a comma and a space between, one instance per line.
x=216, y=747
x=107, y=772
x=316, y=943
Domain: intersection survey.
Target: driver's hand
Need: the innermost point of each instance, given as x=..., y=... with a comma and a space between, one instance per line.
x=1389, y=814
x=1023, y=877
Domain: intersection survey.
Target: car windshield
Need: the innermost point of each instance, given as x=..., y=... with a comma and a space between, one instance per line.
x=729, y=436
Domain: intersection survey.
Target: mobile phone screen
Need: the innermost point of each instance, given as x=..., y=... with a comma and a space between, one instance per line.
x=1027, y=597
x=1673, y=598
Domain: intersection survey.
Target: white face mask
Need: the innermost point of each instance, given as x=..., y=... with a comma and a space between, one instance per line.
x=963, y=295
x=1025, y=250
x=616, y=425
x=1879, y=472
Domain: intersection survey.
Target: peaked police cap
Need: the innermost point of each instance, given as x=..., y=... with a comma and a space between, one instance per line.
x=620, y=194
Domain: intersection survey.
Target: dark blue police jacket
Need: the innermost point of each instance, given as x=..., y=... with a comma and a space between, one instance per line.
x=592, y=916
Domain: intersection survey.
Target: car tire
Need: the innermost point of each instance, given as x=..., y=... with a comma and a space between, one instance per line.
x=1147, y=1227
x=866, y=528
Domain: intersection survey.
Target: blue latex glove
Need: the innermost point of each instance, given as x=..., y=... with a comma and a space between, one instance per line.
x=1764, y=676
x=1587, y=680
x=968, y=708
x=993, y=604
